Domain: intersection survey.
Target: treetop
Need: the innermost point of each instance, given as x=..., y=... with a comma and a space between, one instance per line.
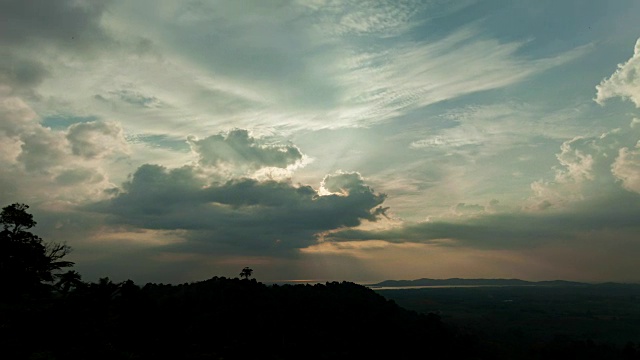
x=15, y=217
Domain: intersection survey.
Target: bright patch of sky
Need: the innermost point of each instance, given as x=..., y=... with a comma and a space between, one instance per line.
x=349, y=140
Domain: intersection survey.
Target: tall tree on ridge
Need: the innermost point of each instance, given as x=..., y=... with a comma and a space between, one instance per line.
x=246, y=273
x=26, y=263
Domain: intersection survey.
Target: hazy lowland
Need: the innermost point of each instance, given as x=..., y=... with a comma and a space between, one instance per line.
x=536, y=320
x=48, y=312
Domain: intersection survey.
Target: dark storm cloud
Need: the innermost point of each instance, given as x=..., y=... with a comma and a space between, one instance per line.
x=617, y=212
x=238, y=148
x=243, y=215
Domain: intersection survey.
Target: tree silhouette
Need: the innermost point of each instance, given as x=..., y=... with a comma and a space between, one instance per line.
x=106, y=288
x=246, y=272
x=25, y=262
x=68, y=280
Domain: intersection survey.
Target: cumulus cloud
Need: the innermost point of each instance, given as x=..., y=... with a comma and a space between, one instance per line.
x=625, y=82
x=587, y=168
x=16, y=116
x=238, y=148
x=32, y=146
x=42, y=149
x=242, y=215
x=592, y=166
x=96, y=138
x=343, y=183
x=43, y=164
x=577, y=166
x=626, y=167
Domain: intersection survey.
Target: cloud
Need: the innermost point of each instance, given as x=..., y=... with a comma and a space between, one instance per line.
x=96, y=138
x=31, y=146
x=43, y=165
x=261, y=67
x=388, y=83
x=596, y=165
x=21, y=75
x=378, y=18
x=625, y=82
x=42, y=149
x=588, y=167
x=516, y=230
x=77, y=176
x=577, y=165
x=626, y=167
x=67, y=22
x=594, y=189
x=238, y=148
x=469, y=209
x=241, y=215
x=37, y=34
x=344, y=183
x=130, y=96
x=497, y=127
x=16, y=116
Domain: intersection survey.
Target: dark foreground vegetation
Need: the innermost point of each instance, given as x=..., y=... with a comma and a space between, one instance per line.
x=220, y=318
x=574, y=321
x=47, y=313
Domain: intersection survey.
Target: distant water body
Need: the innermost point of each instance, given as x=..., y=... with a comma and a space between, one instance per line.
x=442, y=286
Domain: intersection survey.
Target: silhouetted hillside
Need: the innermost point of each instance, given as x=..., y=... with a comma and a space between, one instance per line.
x=222, y=318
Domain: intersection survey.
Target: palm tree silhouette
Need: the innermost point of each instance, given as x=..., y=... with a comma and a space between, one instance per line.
x=68, y=280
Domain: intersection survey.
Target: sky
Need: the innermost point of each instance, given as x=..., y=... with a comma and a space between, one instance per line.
x=172, y=141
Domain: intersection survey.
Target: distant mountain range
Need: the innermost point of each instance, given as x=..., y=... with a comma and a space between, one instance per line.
x=473, y=282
